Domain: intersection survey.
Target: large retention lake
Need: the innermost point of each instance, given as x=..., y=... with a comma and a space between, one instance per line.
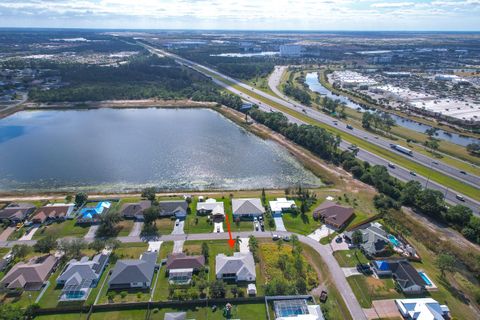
x=114, y=150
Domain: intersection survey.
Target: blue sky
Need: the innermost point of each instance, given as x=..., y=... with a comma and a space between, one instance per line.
x=452, y=15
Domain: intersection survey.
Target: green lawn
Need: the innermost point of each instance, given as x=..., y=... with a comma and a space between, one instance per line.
x=161, y=289
x=368, y=288
x=63, y=229
x=63, y=316
x=130, y=250
x=350, y=258
x=125, y=226
x=302, y=225
x=25, y=299
x=119, y=315
x=247, y=311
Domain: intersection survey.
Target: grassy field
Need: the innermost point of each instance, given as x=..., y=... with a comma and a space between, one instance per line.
x=350, y=258
x=368, y=288
x=247, y=311
x=384, y=153
x=119, y=315
x=67, y=228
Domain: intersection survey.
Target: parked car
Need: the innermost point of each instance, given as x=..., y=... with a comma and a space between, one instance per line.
x=262, y=227
x=364, y=268
x=218, y=229
x=338, y=240
x=286, y=238
x=323, y=296
x=275, y=237
x=177, y=222
x=256, y=225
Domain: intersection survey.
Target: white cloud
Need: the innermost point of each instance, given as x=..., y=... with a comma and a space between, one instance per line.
x=392, y=4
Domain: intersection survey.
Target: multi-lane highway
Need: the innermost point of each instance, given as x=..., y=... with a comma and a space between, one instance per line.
x=398, y=171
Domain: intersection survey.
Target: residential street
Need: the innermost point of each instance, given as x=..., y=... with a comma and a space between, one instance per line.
x=324, y=251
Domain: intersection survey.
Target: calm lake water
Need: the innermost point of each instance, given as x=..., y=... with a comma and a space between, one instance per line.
x=312, y=81
x=127, y=149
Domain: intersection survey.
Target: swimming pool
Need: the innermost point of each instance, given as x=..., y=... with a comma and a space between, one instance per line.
x=393, y=240
x=425, y=278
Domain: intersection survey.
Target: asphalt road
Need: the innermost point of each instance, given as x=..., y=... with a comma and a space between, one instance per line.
x=336, y=273
x=398, y=172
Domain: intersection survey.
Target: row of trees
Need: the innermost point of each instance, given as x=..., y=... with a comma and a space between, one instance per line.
x=378, y=120
x=298, y=94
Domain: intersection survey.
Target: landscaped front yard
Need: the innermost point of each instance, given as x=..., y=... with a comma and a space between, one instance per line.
x=368, y=288
x=67, y=228
x=350, y=258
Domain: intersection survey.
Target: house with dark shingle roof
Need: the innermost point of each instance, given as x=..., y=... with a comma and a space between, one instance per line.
x=134, y=274
x=374, y=239
x=17, y=212
x=135, y=210
x=31, y=275
x=333, y=214
x=181, y=267
x=247, y=209
x=79, y=277
x=407, y=277
x=177, y=208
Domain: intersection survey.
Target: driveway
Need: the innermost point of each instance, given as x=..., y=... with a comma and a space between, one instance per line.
x=217, y=225
x=178, y=246
x=136, y=229
x=321, y=232
x=279, y=224
x=6, y=233
x=179, y=229
x=154, y=246
x=91, y=232
x=338, y=246
x=29, y=235
x=384, y=309
x=350, y=272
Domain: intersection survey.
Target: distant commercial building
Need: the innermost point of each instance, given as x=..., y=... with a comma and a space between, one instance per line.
x=451, y=78
x=348, y=79
x=290, y=50
x=397, y=74
x=449, y=110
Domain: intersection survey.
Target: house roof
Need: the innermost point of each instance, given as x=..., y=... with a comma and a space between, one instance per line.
x=241, y=264
x=281, y=204
x=374, y=238
x=128, y=271
x=175, y=316
x=406, y=275
x=422, y=309
x=247, y=206
x=34, y=271
x=211, y=206
x=135, y=209
x=172, y=207
x=84, y=272
x=182, y=261
x=52, y=211
x=333, y=213
x=16, y=211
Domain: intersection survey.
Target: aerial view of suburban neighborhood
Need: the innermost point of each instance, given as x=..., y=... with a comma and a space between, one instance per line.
x=250, y=160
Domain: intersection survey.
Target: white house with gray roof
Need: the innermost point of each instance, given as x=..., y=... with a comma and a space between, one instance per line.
x=239, y=267
x=79, y=277
x=134, y=274
x=374, y=239
x=247, y=209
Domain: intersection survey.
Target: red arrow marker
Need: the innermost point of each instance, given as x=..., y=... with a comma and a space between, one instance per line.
x=231, y=242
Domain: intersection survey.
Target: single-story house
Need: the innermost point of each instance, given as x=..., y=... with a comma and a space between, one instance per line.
x=177, y=208
x=31, y=275
x=181, y=267
x=134, y=274
x=17, y=212
x=175, y=316
x=281, y=205
x=374, y=239
x=211, y=207
x=135, y=210
x=407, y=277
x=247, y=209
x=53, y=212
x=333, y=214
x=239, y=267
x=423, y=308
x=79, y=277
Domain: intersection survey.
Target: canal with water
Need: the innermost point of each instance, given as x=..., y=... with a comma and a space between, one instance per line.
x=312, y=81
